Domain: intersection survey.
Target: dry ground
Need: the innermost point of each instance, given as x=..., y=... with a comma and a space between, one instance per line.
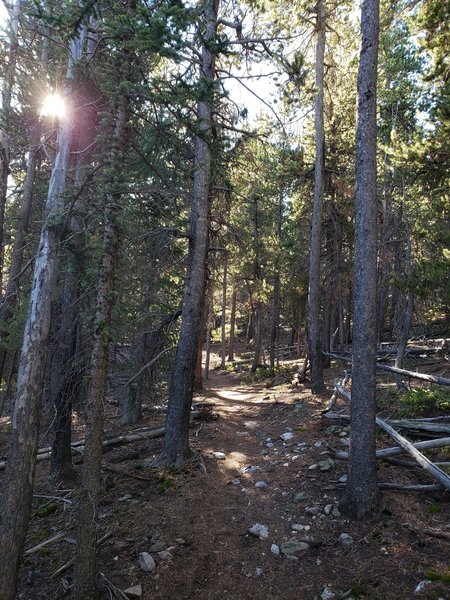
x=201, y=521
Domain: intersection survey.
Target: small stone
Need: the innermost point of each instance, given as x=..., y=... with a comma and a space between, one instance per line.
x=326, y=465
x=235, y=482
x=146, y=562
x=261, y=485
x=260, y=531
x=180, y=541
x=270, y=445
x=292, y=547
x=275, y=549
x=219, y=455
x=134, y=592
x=295, y=457
x=164, y=555
x=158, y=547
x=421, y=586
x=264, y=452
x=300, y=497
x=298, y=527
x=287, y=436
x=251, y=469
x=258, y=571
x=312, y=510
x=336, y=512
x=327, y=593
x=345, y=539
x=124, y=498
x=328, y=508
x=318, y=444
x=343, y=479
x=313, y=467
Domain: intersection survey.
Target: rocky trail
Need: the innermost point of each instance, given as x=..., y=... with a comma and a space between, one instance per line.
x=261, y=523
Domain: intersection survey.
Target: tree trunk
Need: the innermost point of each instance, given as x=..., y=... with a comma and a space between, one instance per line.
x=8, y=82
x=315, y=356
x=362, y=496
x=85, y=570
x=176, y=441
x=232, y=326
x=404, y=334
x=12, y=286
x=18, y=491
x=224, y=312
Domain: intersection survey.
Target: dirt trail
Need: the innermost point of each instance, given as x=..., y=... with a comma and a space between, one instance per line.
x=200, y=522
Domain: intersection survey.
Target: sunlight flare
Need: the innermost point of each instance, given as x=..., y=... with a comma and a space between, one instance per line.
x=53, y=106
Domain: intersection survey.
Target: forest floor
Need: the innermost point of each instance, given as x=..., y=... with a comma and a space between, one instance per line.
x=195, y=525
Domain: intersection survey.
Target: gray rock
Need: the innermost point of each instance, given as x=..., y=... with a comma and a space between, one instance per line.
x=287, y=436
x=327, y=593
x=328, y=508
x=345, y=539
x=293, y=547
x=146, y=562
x=158, y=547
x=343, y=479
x=261, y=485
x=235, y=482
x=299, y=527
x=134, y=592
x=164, y=555
x=275, y=549
x=312, y=510
x=326, y=465
x=258, y=571
x=336, y=512
x=420, y=587
x=300, y=497
x=251, y=469
x=219, y=455
x=260, y=531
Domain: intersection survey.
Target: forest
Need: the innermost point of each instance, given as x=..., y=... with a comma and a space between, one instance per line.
x=224, y=299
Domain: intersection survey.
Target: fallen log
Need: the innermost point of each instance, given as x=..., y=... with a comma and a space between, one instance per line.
x=434, y=487
x=394, y=451
x=118, y=440
x=411, y=374
x=422, y=460
x=409, y=424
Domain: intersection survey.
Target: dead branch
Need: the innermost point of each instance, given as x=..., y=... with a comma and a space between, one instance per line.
x=52, y=540
x=71, y=562
x=421, y=459
x=385, y=452
x=445, y=535
x=411, y=374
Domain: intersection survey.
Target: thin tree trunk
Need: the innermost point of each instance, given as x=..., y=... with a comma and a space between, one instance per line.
x=12, y=286
x=8, y=82
x=403, y=341
x=85, y=570
x=315, y=356
x=257, y=336
x=18, y=490
x=224, y=309
x=176, y=441
x=232, y=325
x=362, y=495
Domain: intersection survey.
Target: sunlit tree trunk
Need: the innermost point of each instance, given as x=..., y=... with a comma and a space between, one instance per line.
x=361, y=494
x=18, y=490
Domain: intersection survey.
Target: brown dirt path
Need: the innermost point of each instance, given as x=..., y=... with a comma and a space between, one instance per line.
x=202, y=521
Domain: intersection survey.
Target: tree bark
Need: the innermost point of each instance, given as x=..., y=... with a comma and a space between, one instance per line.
x=362, y=495
x=315, y=355
x=8, y=82
x=18, y=491
x=224, y=312
x=232, y=326
x=85, y=570
x=176, y=441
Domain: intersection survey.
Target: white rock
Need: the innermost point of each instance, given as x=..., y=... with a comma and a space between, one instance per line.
x=327, y=593
x=261, y=485
x=134, y=592
x=275, y=549
x=146, y=562
x=421, y=586
x=345, y=539
x=219, y=455
x=287, y=436
x=258, y=571
x=328, y=508
x=343, y=479
x=258, y=530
